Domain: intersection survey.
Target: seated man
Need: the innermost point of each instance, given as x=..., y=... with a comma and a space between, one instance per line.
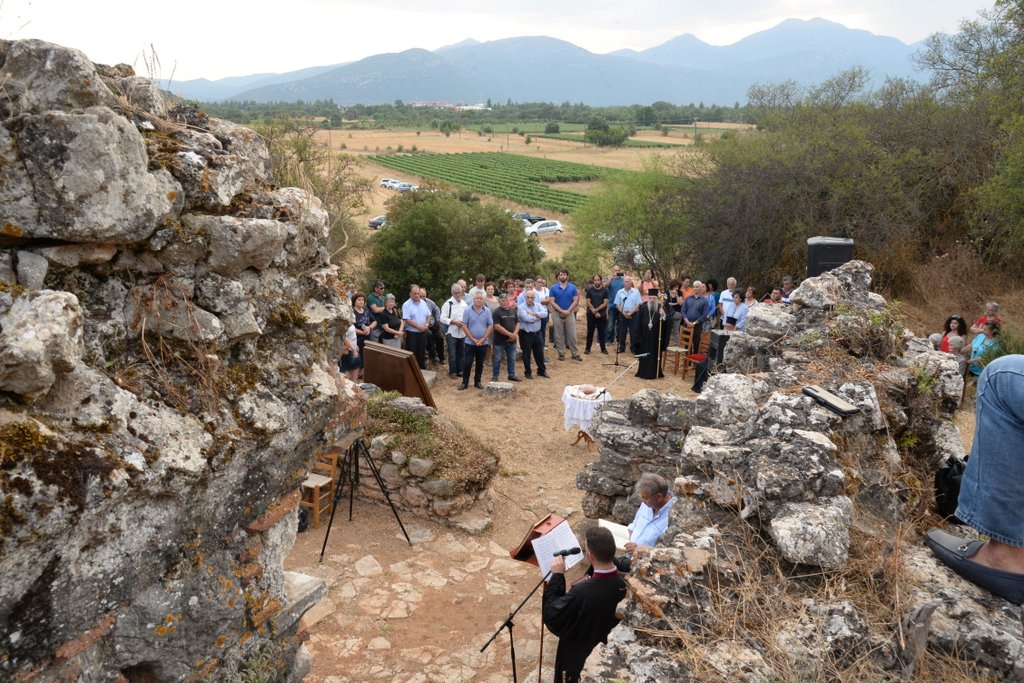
x=992, y=488
x=651, y=517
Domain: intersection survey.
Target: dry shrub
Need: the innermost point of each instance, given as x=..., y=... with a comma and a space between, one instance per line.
x=958, y=282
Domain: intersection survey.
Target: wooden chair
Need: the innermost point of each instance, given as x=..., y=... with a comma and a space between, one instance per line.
x=681, y=348
x=317, y=495
x=690, y=360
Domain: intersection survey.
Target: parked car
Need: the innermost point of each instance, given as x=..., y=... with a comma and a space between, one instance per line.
x=407, y=187
x=529, y=217
x=389, y=183
x=378, y=222
x=535, y=229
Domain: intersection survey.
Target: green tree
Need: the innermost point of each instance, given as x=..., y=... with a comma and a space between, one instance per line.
x=640, y=218
x=434, y=238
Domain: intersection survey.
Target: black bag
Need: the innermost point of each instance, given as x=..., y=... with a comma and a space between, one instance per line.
x=947, y=488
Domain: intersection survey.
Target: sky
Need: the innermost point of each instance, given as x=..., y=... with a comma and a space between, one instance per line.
x=187, y=39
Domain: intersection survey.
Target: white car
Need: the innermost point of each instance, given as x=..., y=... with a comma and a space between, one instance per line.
x=407, y=187
x=542, y=226
x=390, y=183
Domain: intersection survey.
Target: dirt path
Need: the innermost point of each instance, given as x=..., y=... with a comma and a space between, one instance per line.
x=421, y=613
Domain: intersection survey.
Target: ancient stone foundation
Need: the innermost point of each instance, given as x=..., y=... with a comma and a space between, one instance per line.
x=794, y=548
x=168, y=324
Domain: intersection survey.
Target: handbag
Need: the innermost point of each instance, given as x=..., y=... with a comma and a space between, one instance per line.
x=947, y=487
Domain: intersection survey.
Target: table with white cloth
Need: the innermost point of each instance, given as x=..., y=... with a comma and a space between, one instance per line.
x=579, y=409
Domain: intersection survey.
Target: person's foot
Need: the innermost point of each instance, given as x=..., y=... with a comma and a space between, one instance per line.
x=494, y=379
x=561, y=356
x=971, y=560
x=696, y=390
x=578, y=357
x=463, y=386
x=529, y=375
x=453, y=375
x=586, y=351
x=477, y=385
x=604, y=351
x=514, y=379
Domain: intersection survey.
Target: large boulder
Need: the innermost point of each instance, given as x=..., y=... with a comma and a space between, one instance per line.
x=40, y=338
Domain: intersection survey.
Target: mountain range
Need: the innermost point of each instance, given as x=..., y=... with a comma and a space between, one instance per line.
x=681, y=70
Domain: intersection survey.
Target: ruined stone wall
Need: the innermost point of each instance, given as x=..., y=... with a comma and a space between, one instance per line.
x=169, y=324
x=793, y=550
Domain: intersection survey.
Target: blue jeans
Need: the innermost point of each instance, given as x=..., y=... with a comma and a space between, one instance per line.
x=509, y=352
x=456, y=354
x=992, y=488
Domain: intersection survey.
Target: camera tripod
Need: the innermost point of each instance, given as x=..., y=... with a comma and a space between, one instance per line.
x=350, y=474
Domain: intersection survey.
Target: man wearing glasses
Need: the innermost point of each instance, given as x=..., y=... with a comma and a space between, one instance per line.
x=651, y=518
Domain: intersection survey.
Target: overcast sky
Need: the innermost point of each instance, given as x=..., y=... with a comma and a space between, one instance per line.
x=218, y=38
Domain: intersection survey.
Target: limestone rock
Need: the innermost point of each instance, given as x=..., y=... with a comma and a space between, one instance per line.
x=499, y=390
x=238, y=243
x=40, y=338
x=849, y=283
x=32, y=269
x=48, y=77
x=420, y=467
x=412, y=405
x=806, y=533
x=727, y=401
x=773, y=322
x=163, y=311
x=88, y=179
x=75, y=255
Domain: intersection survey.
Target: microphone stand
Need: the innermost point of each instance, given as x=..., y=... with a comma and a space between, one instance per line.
x=509, y=624
x=619, y=376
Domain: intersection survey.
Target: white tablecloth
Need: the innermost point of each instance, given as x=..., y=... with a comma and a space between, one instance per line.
x=579, y=408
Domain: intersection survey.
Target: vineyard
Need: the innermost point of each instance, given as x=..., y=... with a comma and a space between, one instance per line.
x=500, y=174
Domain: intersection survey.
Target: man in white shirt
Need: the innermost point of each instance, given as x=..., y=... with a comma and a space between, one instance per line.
x=451, y=318
x=416, y=314
x=726, y=296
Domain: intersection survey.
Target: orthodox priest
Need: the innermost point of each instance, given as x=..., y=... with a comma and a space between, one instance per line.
x=653, y=335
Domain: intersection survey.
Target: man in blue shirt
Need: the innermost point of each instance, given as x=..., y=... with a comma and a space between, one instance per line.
x=651, y=519
x=627, y=301
x=615, y=285
x=417, y=317
x=696, y=310
x=565, y=299
x=478, y=324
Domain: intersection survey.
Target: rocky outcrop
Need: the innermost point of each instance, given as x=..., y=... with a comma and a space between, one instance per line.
x=169, y=322
x=799, y=519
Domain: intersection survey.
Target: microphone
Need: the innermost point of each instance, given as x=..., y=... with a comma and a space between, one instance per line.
x=641, y=355
x=567, y=551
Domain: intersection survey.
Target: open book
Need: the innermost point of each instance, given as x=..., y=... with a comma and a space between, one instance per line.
x=620, y=533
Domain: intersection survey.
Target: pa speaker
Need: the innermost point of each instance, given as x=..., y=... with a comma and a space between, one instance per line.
x=826, y=253
x=716, y=350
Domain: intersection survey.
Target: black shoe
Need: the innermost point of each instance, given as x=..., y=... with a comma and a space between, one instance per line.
x=578, y=357
x=463, y=386
x=604, y=351
x=561, y=356
x=544, y=374
x=514, y=379
x=529, y=375
x=956, y=553
x=586, y=351
x=477, y=385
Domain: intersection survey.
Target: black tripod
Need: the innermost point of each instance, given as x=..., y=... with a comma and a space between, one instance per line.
x=508, y=624
x=350, y=474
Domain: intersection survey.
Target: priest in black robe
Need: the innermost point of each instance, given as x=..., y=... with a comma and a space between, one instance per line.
x=653, y=335
x=583, y=617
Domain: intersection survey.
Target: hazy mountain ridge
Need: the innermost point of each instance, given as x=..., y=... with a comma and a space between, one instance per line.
x=539, y=68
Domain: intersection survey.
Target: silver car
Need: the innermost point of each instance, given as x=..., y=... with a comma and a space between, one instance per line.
x=541, y=227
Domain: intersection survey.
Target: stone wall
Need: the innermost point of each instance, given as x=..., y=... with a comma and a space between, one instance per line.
x=804, y=522
x=416, y=484
x=169, y=322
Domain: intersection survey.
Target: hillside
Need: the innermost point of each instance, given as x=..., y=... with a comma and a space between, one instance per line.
x=539, y=68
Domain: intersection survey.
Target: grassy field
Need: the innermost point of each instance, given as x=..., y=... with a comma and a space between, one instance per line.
x=522, y=179
x=631, y=142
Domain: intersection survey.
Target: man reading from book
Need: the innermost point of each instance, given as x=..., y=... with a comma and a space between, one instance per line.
x=583, y=616
x=651, y=518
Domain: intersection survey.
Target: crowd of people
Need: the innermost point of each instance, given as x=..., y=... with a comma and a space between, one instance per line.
x=972, y=344
x=494, y=322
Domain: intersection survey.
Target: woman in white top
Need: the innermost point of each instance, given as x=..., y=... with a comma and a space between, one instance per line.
x=735, y=312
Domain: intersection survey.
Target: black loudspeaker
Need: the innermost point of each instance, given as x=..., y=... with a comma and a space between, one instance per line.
x=826, y=253
x=716, y=349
